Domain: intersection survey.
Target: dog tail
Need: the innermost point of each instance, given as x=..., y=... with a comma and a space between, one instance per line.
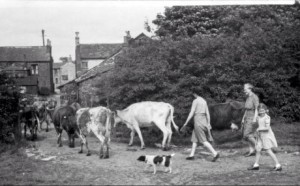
x=172, y=154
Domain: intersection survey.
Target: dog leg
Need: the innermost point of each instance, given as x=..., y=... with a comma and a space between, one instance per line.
x=170, y=169
x=154, y=167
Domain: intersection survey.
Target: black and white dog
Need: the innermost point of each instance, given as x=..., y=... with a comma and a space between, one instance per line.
x=153, y=160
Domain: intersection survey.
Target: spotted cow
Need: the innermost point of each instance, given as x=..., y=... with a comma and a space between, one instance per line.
x=98, y=121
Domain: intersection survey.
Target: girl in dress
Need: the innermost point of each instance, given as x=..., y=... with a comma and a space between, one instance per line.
x=265, y=138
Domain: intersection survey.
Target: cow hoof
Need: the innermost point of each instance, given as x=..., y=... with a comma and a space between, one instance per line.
x=106, y=157
x=47, y=130
x=60, y=145
x=129, y=145
x=165, y=149
x=143, y=148
x=71, y=146
x=88, y=154
x=101, y=156
x=80, y=152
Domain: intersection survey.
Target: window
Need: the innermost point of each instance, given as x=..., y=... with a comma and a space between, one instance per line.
x=64, y=77
x=84, y=64
x=34, y=69
x=55, y=71
x=56, y=80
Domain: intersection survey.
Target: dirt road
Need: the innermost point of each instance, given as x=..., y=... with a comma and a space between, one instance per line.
x=65, y=166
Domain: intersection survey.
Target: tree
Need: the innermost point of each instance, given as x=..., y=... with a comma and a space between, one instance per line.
x=9, y=104
x=187, y=21
x=262, y=50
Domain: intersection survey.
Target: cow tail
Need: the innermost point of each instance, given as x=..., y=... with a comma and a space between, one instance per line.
x=108, y=123
x=172, y=118
x=38, y=123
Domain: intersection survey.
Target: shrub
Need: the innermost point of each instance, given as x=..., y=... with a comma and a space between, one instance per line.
x=9, y=97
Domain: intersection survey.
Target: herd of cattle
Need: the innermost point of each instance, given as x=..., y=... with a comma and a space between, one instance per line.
x=79, y=122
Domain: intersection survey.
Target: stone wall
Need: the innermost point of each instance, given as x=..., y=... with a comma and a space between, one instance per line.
x=88, y=93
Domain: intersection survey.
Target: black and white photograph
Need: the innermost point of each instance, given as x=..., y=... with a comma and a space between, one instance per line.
x=152, y=92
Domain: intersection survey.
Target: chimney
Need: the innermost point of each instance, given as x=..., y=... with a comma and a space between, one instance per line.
x=77, y=38
x=70, y=58
x=127, y=37
x=43, y=36
x=48, y=42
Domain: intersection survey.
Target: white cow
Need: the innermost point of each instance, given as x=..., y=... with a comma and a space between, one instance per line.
x=146, y=114
x=97, y=120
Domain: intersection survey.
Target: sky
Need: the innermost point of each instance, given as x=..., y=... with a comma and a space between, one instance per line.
x=96, y=21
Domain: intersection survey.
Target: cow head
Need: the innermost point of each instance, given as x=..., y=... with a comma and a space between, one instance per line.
x=41, y=111
x=116, y=118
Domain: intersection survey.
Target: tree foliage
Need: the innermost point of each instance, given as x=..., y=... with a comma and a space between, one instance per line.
x=187, y=21
x=259, y=45
x=9, y=97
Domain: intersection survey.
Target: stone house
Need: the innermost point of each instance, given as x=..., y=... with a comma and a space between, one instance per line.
x=88, y=56
x=30, y=66
x=83, y=89
x=63, y=72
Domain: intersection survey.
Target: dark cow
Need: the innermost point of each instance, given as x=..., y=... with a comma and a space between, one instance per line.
x=64, y=118
x=30, y=120
x=226, y=115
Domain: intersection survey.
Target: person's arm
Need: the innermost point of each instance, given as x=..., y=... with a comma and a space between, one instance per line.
x=207, y=116
x=256, y=102
x=243, y=119
x=191, y=114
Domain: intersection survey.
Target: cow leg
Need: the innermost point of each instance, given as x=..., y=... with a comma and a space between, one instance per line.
x=47, y=122
x=137, y=129
x=35, y=131
x=71, y=140
x=41, y=123
x=25, y=130
x=59, y=140
x=169, y=137
x=131, y=137
x=101, y=155
x=107, y=148
x=32, y=133
x=161, y=126
x=88, y=150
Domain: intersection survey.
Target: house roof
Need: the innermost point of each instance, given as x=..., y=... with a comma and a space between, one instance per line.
x=101, y=68
x=105, y=66
x=141, y=35
x=58, y=65
x=99, y=51
x=31, y=53
x=91, y=51
x=69, y=82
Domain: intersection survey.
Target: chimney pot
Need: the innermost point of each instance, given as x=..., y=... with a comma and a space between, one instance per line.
x=48, y=42
x=77, y=38
x=127, y=37
x=43, y=37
